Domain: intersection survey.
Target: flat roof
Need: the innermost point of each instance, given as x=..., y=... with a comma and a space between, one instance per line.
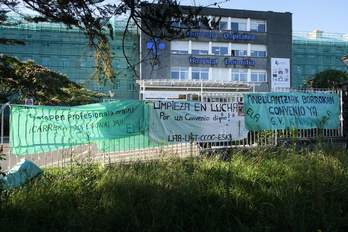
x=319, y=36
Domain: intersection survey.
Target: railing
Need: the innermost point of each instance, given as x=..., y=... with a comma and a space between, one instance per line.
x=90, y=153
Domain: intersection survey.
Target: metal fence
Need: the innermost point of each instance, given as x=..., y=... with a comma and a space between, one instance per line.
x=90, y=153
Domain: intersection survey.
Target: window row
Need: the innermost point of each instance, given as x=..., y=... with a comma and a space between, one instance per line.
x=242, y=24
x=220, y=49
x=232, y=24
x=62, y=62
x=227, y=74
x=117, y=86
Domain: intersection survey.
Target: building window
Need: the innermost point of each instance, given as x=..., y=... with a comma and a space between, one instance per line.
x=81, y=63
x=301, y=50
x=220, y=51
x=258, y=53
x=10, y=36
x=239, y=49
x=63, y=62
x=258, y=50
x=313, y=50
x=46, y=41
x=65, y=45
x=98, y=87
x=199, y=52
x=299, y=69
x=202, y=24
x=239, y=52
x=131, y=87
x=258, y=76
x=223, y=25
x=116, y=86
x=46, y=61
x=179, y=73
x=200, y=73
x=258, y=25
x=239, y=75
x=220, y=74
x=179, y=47
x=199, y=48
x=179, y=52
x=313, y=70
x=239, y=24
x=178, y=24
x=64, y=38
x=28, y=36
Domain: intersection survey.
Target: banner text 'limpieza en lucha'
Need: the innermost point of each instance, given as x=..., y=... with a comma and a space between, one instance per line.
x=183, y=121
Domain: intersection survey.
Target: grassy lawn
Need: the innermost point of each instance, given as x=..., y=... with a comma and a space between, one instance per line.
x=245, y=190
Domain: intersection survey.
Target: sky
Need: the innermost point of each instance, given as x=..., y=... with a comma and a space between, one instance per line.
x=307, y=15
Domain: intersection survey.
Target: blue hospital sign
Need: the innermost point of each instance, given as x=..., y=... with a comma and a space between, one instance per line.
x=155, y=46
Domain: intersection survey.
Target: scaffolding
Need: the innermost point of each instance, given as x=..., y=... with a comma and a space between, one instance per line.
x=315, y=52
x=64, y=50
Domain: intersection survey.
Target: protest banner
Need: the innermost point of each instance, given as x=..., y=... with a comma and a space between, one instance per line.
x=36, y=129
x=284, y=110
x=185, y=121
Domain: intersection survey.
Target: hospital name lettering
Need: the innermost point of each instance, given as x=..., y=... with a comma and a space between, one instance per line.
x=194, y=60
x=240, y=62
x=225, y=35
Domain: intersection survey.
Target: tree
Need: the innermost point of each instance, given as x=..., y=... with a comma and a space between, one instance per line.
x=92, y=17
x=3, y=21
x=25, y=79
x=328, y=78
x=78, y=96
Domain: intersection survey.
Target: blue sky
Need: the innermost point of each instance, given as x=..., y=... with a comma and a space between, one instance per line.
x=307, y=15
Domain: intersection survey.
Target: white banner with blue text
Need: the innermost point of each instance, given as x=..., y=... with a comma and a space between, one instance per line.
x=185, y=121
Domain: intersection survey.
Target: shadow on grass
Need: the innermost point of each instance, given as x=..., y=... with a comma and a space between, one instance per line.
x=246, y=190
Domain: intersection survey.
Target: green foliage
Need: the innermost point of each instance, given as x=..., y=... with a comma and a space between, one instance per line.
x=78, y=96
x=25, y=79
x=328, y=78
x=252, y=190
x=2, y=157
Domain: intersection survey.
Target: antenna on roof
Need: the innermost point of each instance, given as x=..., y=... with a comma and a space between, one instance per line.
x=217, y=3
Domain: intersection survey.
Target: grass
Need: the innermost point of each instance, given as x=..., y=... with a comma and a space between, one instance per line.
x=245, y=190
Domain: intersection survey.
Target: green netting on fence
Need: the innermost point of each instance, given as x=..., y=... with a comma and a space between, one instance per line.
x=36, y=129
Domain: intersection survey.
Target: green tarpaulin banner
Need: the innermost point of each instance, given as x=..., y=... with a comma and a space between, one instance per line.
x=36, y=129
x=134, y=142
x=138, y=141
x=284, y=110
